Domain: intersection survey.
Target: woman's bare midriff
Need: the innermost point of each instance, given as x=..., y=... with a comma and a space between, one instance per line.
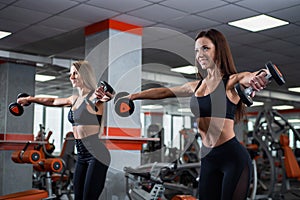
x=215, y=131
x=83, y=131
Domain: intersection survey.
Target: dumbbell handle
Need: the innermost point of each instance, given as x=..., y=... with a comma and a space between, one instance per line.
x=106, y=87
x=249, y=90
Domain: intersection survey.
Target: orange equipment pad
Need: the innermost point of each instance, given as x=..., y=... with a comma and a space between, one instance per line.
x=33, y=194
x=49, y=165
x=183, y=197
x=290, y=162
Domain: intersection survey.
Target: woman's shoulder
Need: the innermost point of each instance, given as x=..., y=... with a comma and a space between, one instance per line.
x=238, y=76
x=232, y=79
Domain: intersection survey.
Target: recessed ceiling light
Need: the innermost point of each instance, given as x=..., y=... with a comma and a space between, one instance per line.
x=184, y=110
x=152, y=107
x=257, y=103
x=185, y=69
x=258, y=23
x=294, y=89
x=294, y=120
x=3, y=34
x=43, y=78
x=283, y=107
x=39, y=64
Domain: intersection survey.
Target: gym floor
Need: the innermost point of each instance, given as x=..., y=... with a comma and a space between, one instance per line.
x=290, y=196
x=294, y=195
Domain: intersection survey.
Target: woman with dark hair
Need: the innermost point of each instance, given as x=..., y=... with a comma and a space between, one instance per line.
x=93, y=157
x=225, y=164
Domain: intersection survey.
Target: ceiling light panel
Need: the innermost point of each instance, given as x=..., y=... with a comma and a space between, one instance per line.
x=43, y=78
x=282, y=107
x=4, y=34
x=258, y=23
x=185, y=69
x=294, y=89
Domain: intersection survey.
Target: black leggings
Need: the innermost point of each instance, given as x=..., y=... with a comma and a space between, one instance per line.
x=91, y=168
x=225, y=172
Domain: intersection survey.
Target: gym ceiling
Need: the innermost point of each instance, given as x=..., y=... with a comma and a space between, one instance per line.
x=55, y=29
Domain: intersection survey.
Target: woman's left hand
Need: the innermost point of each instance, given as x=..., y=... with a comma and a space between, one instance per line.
x=259, y=82
x=101, y=95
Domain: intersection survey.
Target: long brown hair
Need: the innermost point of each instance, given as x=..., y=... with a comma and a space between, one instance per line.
x=224, y=60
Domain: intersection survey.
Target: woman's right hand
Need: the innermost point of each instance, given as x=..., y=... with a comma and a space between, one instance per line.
x=23, y=101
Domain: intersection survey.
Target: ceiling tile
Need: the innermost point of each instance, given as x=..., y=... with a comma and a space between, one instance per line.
x=293, y=39
x=292, y=52
x=250, y=38
x=24, y=15
x=156, y=1
x=29, y=35
x=165, y=26
x=180, y=46
x=63, y=23
x=154, y=13
x=11, y=26
x=275, y=45
x=2, y=5
x=66, y=42
x=6, y=1
x=46, y=6
x=268, y=5
x=283, y=31
x=37, y=32
x=155, y=33
x=229, y=31
x=119, y=5
x=191, y=22
x=95, y=14
x=227, y=13
x=81, y=1
x=133, y=20
x=12, y=43
x=192, y=6
x=232, y=1
x=288, y=14
x=245, y=51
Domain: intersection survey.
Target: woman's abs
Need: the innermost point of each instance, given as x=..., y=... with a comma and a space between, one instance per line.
x=83, y=131
x=215, y=131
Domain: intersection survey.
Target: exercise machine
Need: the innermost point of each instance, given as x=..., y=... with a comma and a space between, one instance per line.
x=52, y=175
x=273, y=165
x=156, y=181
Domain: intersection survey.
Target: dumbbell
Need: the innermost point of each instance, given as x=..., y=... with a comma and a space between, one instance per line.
x=124, y=107
x=245, y=93
x=15, y=108
x=106, y=87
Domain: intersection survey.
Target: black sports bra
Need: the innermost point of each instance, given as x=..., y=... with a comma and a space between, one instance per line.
x=215, y=104
x=81, y=116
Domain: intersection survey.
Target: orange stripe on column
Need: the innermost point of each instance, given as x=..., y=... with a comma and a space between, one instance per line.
x=123, y=138
x=16, y=136
x=2, y=61
x=123, y=144
x=153, y=113
x=113, y=24
x=10, y=141
x=128, y=132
